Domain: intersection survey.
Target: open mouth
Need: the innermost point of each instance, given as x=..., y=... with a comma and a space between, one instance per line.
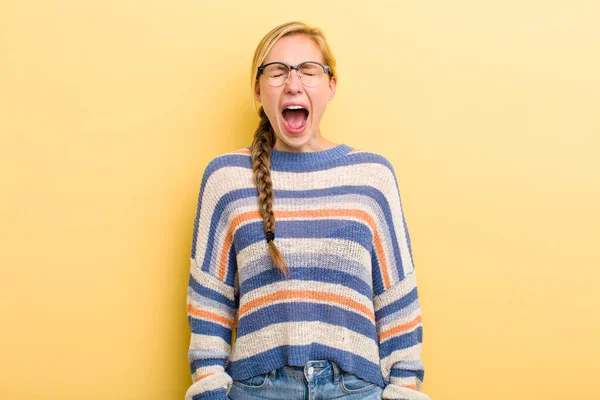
x=295, y=117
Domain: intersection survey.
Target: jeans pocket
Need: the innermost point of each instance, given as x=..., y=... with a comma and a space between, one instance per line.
x=350, y=383
x=254, y=382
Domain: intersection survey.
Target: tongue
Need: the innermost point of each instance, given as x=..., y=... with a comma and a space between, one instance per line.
x=295, y=118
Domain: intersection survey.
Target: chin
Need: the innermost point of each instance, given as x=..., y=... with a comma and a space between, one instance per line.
x=295, y=142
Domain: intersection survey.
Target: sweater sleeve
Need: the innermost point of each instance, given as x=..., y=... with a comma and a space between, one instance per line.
x=212, y=295
x=395, y=300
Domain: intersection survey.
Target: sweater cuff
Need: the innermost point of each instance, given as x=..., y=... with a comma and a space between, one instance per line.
x=396, y=392
x=217, y=394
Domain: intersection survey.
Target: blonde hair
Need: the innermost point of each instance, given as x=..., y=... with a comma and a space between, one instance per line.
x=265, y=137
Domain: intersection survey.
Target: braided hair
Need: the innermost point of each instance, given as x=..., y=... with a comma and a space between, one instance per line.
x=265, y=137
x=262, y=146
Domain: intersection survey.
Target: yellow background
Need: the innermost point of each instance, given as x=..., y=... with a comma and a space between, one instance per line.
x=110, y=110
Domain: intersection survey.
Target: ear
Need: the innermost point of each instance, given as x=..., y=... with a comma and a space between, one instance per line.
x=257, y=92
x=332, y=86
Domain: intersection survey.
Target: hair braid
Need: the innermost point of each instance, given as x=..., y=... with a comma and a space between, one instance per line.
x=265, y=137
x=262, y=146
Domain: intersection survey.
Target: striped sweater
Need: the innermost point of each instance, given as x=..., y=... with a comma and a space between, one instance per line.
x=351, y=297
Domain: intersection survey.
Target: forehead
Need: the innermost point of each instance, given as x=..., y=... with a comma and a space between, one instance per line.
x=294, y=49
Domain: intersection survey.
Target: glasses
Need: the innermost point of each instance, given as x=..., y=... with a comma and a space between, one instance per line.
x=310, y=73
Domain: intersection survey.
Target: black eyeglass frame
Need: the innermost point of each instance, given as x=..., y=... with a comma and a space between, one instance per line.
x=261, y=68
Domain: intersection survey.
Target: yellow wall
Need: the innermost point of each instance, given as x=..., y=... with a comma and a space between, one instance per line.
x=110, y=110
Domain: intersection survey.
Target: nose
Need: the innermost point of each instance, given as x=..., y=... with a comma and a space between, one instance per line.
x=293, y=84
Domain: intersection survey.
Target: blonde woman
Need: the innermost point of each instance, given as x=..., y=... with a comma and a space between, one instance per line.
x=300, y=245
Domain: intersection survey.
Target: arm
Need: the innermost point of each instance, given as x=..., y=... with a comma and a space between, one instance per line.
x=212, y=299
x=396, y=301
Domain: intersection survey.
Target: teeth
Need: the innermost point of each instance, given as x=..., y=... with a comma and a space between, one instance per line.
x=295, y=108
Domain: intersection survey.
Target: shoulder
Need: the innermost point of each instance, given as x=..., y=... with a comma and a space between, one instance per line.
x=378, y=165
x=229, y=161
x=226, y=169
x=238, y=157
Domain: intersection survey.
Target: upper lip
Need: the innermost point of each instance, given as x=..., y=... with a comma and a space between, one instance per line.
x=294, y=103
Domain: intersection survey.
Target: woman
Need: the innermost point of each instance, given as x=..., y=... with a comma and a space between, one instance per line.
x=330, y=308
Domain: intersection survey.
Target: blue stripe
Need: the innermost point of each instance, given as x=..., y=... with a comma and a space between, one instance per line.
x=197, y=364
x=401, y=342
x=406, y=373
x=211, y=294
x=231, y=266
x=305, y=311
x=306, y=273
x=399, y=304
x=245, y=161
x=376, y=274
x=204, y=327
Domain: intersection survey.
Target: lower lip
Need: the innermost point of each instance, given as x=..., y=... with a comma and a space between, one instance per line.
x=292, y=130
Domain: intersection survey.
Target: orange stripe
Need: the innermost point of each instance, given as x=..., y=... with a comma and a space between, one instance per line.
x=400, y=328
x=208, y=315
x=237, y=221
x=413, y=387
x=255, y=215
x=382, y=260
x=306, y=294
x=204, y=376
x=223, y=258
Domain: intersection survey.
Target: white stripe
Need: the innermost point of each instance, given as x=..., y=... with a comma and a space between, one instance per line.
x=368, y=174
x=209, y=370
x=206, y=342
x=305, y=333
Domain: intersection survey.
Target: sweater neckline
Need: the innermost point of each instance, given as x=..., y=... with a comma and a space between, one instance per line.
x=279, y=157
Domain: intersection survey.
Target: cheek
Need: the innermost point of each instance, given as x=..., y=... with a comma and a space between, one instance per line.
x=270, y=101
x=319, y=102
x=270, y=98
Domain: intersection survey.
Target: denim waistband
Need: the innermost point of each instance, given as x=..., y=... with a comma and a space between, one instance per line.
x=312, y=370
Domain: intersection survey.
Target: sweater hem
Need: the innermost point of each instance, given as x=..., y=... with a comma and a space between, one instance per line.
x=299, y=356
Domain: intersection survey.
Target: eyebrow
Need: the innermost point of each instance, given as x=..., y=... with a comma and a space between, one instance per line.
x=268, y=62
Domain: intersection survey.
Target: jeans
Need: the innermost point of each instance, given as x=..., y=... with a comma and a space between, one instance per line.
x=317, y=380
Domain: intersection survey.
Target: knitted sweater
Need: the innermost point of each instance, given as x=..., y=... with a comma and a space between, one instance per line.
x=351, y=297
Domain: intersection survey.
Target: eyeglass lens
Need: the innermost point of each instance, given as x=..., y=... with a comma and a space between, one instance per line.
x=310, y=74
